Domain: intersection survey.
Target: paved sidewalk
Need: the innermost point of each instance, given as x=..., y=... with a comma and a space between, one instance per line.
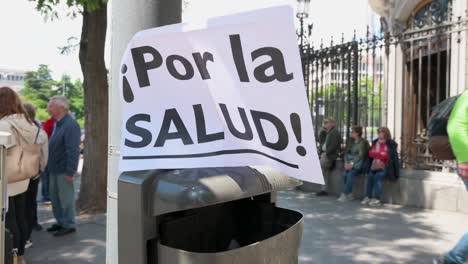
x=334, y=233
x=349, y=233
x=88, y=245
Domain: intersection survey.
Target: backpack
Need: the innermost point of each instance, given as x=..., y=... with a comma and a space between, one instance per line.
x=439, y=143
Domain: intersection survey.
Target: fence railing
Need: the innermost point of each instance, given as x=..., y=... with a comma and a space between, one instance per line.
x=345, y=82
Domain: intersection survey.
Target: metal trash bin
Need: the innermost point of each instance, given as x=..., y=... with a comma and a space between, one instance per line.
x=206, y=216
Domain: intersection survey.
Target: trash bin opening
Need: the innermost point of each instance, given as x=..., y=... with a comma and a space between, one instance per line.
x=224, y=227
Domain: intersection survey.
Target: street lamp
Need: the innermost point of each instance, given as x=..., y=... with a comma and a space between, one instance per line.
x=303, y=8
x=303, y=13
x=304, y=34
x=63, y=88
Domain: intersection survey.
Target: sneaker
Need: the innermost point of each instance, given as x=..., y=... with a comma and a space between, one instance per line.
x=375, y=202
x=349, y=197
x=440, y=260
x=29, y=243
x=54, y=228
x=64, y=232
x=346, y=198
x=322, y=193
x=365, y=201
x=342, y=198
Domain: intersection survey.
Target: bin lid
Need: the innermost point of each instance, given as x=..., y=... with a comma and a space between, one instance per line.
x=178, y=190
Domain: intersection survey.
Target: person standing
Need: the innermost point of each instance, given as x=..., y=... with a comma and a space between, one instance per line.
x=15, y=120
x=384, y=163
x=329, y=151
x=48, y=127
x=31, y=194
x=457, y=129
x=64, y=154
x=356, y=154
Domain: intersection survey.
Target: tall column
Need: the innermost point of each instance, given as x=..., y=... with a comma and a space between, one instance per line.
x=459, y=47
x=395, y=91
x=127, y=17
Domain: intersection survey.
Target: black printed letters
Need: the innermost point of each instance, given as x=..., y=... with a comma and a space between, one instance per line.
x=180, y=132
x=147, y=58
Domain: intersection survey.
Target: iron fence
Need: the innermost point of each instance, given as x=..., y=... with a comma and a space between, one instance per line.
x=345, y=82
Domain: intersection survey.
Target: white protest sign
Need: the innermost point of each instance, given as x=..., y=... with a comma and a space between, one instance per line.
x=230, y=93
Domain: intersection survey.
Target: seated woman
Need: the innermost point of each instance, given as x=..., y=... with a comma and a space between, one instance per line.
x=383, y=160
x=355, y=155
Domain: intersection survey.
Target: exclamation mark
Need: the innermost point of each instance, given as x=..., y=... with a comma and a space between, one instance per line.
x=296, y=126
x=127, y=90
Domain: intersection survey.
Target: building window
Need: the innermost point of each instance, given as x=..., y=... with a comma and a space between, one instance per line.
x=433, y=13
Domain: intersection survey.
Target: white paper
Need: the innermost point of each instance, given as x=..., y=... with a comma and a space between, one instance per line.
x=181, y=75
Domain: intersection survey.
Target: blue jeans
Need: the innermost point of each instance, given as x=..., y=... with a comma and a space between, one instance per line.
x=62, y=196
x=459, y=254
x=375, y=180
x=348, y=180
x=45, y=185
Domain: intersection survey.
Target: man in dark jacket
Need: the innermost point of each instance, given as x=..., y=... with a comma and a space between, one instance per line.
x=329, y=151
x=64, y=154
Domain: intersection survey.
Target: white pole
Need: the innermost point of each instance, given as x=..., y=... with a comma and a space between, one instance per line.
x=126, y=18
x=5, y=142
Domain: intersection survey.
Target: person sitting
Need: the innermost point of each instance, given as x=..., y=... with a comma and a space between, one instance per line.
x=355, y=155
x=384, y=163
x=329, y=151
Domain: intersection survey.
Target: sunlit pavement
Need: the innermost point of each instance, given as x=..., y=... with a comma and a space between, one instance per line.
x=350, y=233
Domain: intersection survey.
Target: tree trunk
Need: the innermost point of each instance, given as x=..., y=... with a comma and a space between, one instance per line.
x=93, y=191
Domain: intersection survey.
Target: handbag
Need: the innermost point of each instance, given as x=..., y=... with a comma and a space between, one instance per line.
x=440, y=148
x=22, y=160
x=377, y=165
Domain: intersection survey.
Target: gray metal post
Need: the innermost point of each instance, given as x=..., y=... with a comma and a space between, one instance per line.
x=5, y=142
x=127, y=17
x=136, y=224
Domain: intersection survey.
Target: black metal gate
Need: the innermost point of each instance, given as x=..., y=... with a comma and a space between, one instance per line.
x=345, y=82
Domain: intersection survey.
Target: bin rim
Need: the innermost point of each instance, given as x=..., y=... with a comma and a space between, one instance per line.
x=170, y=197
x=299, y=224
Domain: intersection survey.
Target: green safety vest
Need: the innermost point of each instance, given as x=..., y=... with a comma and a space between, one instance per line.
x=457, y=128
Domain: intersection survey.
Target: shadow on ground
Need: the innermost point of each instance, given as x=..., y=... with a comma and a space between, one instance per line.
x=85, y=246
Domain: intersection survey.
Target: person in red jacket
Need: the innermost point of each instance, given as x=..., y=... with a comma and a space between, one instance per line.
x=384, y=163
x=48, y=127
